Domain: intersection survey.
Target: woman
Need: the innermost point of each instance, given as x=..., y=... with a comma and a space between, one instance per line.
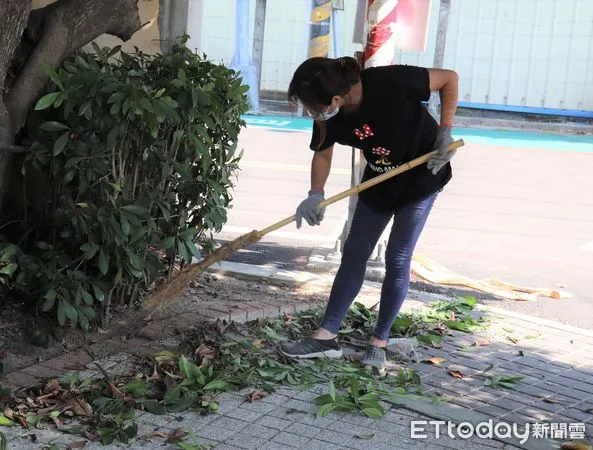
x=378, y=110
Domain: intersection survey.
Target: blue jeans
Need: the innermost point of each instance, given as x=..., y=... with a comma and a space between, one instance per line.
x=366, y=229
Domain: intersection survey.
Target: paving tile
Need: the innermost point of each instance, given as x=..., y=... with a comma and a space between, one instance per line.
x=535, y=413
x=228, y=423
x=215, y=433
x=245, y=441
x=257, y=430
x=507, y=403
x=244, y=414
x=575, y=414
x=275, y=446
x=259, y=407
x=492, y=411
x=290, y=439
x=356, y=419
x=321, y=422
x=273, y=422
x=302, y=406
x=315, y=444
x=301, y=429
x=20, y=379
x=333, y=437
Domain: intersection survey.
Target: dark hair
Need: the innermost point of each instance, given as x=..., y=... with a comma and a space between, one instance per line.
x=317, y=80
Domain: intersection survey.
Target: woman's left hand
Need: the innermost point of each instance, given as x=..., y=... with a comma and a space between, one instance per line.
x=444, y=139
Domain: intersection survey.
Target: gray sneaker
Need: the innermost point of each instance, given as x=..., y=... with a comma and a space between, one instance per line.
x=374, y=357
x=311, y=348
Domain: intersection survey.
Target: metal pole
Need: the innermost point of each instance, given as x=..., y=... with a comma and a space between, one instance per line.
x=439, y=51
x=241, y=61
x=335, y=33
x=321, y=11
x=258, y=39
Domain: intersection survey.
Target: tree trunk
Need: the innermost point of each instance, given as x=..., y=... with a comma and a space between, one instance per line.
x=32, y=40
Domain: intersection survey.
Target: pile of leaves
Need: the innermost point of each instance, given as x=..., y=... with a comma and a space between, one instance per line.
x=127, y=163
x=215, y=358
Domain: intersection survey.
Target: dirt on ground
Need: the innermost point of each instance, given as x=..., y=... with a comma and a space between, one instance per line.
x=27, y=338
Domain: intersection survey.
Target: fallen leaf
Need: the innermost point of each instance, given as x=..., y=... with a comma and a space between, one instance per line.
x=289, y=317
x=255, y=395
x=79, y=444
x=257, y=343
x=222, y=326
x=79, y=406
x=204, y=351
x=521, y=353
x=435, y=360
x=176, y=435
x=456, y=374
x=160, y=434
x=512, y=339
x=482, y=342
x=350, y=358
x=548, y=400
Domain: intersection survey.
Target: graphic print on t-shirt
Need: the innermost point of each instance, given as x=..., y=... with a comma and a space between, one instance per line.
x=382, y=164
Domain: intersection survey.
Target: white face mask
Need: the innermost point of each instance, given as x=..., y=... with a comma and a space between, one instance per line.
x=325, y=115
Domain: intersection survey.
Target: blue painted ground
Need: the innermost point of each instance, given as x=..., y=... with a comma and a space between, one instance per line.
x=547, y=141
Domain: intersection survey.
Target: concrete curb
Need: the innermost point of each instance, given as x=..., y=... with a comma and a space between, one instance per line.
x=273, y=275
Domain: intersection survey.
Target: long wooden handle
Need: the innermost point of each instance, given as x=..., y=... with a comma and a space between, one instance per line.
x=362, y=186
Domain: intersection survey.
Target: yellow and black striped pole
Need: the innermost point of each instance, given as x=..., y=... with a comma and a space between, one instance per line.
x=321, y=11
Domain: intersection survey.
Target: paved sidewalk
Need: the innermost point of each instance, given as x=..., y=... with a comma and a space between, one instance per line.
x=556, y=391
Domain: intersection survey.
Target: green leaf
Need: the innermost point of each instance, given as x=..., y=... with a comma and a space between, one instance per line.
x=52, y=125
x=326, y=409
x=324, y=399
x=88, y=298
x=50, y=299
x=217, y=385
x=172, y=395
x=53, y=76
x=153, y=407
x=70, y=310
x=137, y=388
x=61, y=313
x=5, y=421
x=90, y=249
x=104, y=268
x=430, y=339
x=167, y=243
x=46, y=101
x=373, y=413
x=60, y=143
x=136, y=210
x=331, y=390
x=9, y=269
x=457, y=325
x=99, y=293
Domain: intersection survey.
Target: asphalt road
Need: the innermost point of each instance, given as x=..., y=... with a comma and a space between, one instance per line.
x=519, y=213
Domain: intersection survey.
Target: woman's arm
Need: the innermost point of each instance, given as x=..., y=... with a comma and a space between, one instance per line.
x=320, y=167
x=447, y=83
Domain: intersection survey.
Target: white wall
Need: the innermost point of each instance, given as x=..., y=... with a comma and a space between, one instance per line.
x=535, y=53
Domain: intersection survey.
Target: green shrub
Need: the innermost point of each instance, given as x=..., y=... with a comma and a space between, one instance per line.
x=131, y=163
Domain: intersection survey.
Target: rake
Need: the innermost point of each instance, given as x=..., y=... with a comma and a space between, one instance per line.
x=173, y=287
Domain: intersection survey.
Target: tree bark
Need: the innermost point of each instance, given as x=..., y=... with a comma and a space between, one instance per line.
x=47, y=36
x=13, y=19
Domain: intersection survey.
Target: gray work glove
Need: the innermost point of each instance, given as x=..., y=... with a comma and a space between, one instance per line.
x=309, y=210
x=444, y=138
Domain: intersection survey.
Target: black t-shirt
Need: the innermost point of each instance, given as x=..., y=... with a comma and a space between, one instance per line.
x=391, y=127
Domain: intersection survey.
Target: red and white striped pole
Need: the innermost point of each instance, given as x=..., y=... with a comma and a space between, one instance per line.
x=380, y=43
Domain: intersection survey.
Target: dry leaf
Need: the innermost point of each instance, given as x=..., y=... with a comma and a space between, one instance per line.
x=456, y=374
x=482, y=342
x=548, y=400
x=204, y=351
x=435, y=360
x=512, y=339
x=222, y=326
x=255, y=395
x=79, y=444
x=257, y=343
x=176, y=434
x=160, y=434
x=79, y=406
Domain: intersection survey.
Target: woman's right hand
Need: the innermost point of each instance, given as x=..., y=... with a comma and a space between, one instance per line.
x=309, y=209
